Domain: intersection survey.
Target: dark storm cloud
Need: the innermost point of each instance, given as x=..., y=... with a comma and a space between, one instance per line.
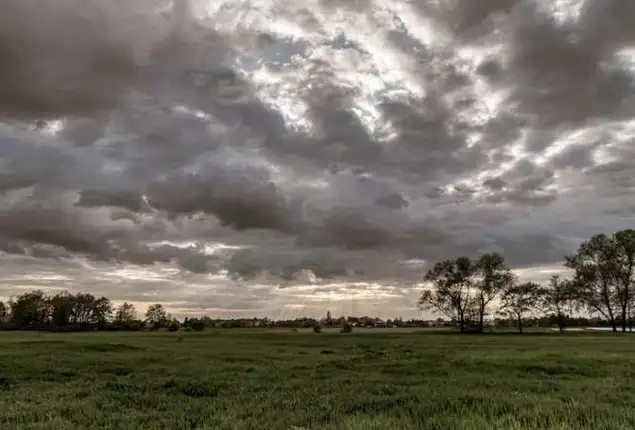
x=496, y=183
x=92, y=198
x=170, y=128
x=58, y=61
x=563, y=73
x=250, y=263
x=242, y=198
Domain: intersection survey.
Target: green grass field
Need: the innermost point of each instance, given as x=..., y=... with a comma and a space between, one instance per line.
x=277, y=380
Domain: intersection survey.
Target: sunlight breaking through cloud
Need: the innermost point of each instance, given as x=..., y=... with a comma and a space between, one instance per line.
x=276, y=143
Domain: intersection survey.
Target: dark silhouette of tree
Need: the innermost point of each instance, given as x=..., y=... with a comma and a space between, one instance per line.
x=196, y=324
x=62, y=305
x=520, y=299
x=493, y=278
x=452, y=292
x=88, y=310
x=625, y=250
x=125, y=313
x=559, y=300
x=156, y=316
x=4, y=313
x=30, y=310
x=79, y=310
x=604, y=273
x=594, y=285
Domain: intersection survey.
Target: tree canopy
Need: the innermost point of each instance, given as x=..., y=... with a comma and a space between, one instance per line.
x=602, y=283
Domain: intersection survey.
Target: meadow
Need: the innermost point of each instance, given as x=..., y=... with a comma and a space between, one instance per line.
x=282, y=380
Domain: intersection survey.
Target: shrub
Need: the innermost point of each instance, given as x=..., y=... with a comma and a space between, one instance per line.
x=317, y=328
x=174, y=326
x=347, y=328
x=198, y=325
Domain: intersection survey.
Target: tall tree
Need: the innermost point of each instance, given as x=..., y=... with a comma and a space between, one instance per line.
x=80, y=309
x=30, y=310
x=156, y=315
x=4, y=313
x=89, y=310
x=83, y=306
x=603, y=268
x=62, y=309
x=625, y=264
x=125, y=313
x=102, y=311
x=452, y=289
x=519, y=299
x=493, y=277
x=558, y=301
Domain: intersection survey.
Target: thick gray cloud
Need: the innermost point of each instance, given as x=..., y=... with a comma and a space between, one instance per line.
x=335, y=140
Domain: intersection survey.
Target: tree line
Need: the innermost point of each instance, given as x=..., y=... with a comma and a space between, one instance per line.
x=466, y=290
x=470, y=293
x=64, y=311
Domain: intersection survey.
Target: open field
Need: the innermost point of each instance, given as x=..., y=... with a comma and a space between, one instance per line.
x=243, y=380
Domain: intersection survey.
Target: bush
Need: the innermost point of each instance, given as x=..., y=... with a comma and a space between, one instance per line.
x=347, y=328
x=317, y=328
x=174, y=326
x=198, y=325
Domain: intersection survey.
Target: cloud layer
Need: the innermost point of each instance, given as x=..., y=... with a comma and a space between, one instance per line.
x=344, y=141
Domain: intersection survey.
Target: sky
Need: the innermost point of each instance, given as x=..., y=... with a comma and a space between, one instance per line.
x=285, y=158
